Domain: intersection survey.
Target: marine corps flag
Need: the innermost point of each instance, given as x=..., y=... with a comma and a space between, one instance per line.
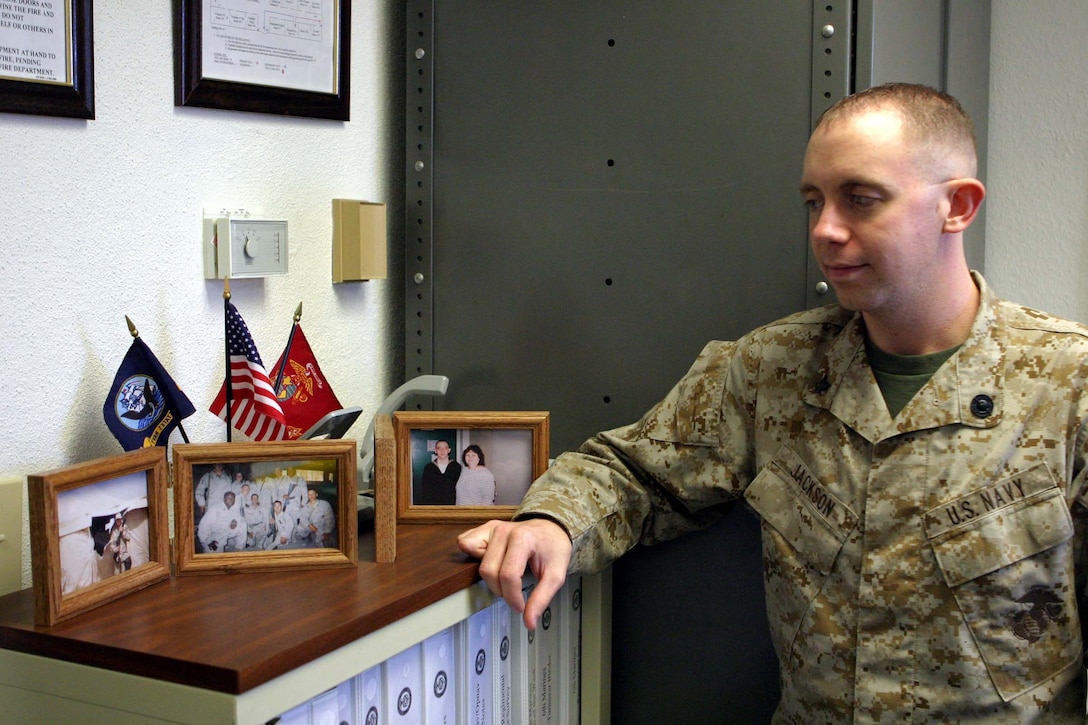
x=144, y=404
x=304, y=393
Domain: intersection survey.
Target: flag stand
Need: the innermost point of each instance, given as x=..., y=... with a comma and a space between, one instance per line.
x=135, y=335
x=226, y=349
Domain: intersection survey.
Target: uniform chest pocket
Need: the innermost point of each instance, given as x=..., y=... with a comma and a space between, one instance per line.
x=804, y=530
x=1006, y=552
x=801, y=509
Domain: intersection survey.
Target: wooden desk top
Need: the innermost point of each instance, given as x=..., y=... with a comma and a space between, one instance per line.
x=232, y=632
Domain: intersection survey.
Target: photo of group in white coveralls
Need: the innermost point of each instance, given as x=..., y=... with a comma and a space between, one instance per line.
x=263, y=506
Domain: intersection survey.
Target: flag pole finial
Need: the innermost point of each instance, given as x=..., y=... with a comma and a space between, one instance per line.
x=131, y=327
x=226, y=288
x=287, y=350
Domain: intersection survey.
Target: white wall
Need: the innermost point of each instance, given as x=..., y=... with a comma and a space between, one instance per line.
x=1037, y=209
x=102, y=218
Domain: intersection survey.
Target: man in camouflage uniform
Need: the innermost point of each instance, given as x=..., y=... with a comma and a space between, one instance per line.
x=916, y=455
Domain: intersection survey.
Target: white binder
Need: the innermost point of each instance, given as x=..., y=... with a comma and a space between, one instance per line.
x=523, y=667
x=345, y=702
x=368, y=696
x=503, y=673
x=570, y=645
x=478, y=658
x=441, y=682
x=403, y=675
x=546, y=646
x=297, y=715
x=325, y=709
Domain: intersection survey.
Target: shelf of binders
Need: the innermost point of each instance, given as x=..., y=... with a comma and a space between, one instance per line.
x=247, y=648
x=487, y=669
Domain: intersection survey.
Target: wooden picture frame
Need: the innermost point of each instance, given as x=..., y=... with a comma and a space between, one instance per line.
x=71, y=98
x=385, y=489
x=98, y=532
x=195, y=85
x=214, y=534
x=513, y=446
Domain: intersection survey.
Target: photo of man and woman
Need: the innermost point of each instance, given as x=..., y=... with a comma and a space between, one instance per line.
x=263, y=506
x=471, y=466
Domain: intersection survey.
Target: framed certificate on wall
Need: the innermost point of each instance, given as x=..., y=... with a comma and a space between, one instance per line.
x=264, y=56
x=47, y=58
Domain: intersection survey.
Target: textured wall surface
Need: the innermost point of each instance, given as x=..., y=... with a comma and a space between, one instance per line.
x=1037, y=217
x=103, y=218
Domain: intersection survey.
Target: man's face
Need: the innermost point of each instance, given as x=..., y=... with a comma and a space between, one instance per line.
x=312, y=495
x=442, y=450
x=228, y=499
x=875, y=213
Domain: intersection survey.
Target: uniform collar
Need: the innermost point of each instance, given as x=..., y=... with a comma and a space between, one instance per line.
x=967, y=390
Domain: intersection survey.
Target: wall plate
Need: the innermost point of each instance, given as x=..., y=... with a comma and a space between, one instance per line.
x=11, y=534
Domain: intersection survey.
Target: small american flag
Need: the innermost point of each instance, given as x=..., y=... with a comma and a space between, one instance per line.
x=255, y=410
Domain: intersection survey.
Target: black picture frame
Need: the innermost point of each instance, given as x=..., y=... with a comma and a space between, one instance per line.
x=55, y=99
x=191, y=88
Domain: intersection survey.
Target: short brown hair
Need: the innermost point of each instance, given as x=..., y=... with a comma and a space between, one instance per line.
x=930, y=117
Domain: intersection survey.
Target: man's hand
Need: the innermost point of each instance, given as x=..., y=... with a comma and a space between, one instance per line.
x=505, y=548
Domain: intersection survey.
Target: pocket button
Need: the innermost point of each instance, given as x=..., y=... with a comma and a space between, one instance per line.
x=982, y=406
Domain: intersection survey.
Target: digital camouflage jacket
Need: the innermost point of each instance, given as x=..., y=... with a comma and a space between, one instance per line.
x=920, y=569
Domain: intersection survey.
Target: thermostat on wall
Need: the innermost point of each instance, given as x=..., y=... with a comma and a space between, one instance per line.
x=244, y=247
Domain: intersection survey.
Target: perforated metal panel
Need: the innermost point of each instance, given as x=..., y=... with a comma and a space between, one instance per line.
x=609, y=186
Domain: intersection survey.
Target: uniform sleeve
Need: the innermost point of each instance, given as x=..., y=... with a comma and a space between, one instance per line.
x=1078, y=493
x=672, y=472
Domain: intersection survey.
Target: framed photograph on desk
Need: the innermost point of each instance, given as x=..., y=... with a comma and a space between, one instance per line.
x=98, y=531
x=299, y=509
x=466, y=466
x=264, y=56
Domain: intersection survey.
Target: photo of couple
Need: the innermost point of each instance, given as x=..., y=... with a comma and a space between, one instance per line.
x=471, y=467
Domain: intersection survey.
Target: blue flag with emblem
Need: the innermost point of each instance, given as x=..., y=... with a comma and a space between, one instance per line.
x=145, y=404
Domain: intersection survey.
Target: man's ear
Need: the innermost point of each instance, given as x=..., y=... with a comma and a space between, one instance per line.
x=965, y=199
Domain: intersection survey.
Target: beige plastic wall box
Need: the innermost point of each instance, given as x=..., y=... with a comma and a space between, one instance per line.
x=358, y=240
